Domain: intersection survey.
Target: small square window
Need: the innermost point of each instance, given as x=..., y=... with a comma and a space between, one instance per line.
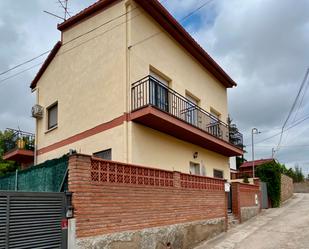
x=52, y=116
x=195, y=168
x=218, y=173
x=104, y=154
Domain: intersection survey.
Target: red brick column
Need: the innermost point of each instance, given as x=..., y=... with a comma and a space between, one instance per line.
x=177, y=179
x=235, y=199
x=79, y=172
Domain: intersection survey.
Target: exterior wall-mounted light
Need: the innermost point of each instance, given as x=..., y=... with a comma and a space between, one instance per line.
x=195, y=155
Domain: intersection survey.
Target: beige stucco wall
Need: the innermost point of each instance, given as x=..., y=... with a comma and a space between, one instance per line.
x=87, y=79
x=112, y=138
x=186, y=74
x=91, y=78
x=163, y=53
x=156, y=149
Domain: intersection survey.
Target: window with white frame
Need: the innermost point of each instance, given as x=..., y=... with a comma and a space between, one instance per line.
x=195, y=168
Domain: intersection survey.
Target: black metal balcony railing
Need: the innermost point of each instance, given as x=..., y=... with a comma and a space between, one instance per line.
x=17, y=139
x=150, y=91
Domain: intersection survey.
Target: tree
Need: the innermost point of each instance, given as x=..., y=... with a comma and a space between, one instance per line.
x=234, y=134
x=6, y=140
x=296, y=174
x=299, y=174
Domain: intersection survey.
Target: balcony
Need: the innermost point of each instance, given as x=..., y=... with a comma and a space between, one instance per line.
x=157, y=106
x=19, y=147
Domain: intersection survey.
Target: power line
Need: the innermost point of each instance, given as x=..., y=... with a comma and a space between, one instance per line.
x=75, y=38
x=100, y=34
x=300, y=103
x=299, y=121
x=182, y=19
x=270, y=146
x=302, y=99
x=89, y=31
x=196, y=10
x=27, y=69
x=25, y=62
x=292, y=108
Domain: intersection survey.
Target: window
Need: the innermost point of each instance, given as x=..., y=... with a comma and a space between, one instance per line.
x=195, y=168
x=214, y=127
x=52, y=116
x=191, y=110
x=104, y=154
x=218, y=173
x=159, y=91
x=215, y=113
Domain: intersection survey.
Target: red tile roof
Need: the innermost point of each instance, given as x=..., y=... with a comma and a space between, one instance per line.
x=165, y=19
x=256, y=162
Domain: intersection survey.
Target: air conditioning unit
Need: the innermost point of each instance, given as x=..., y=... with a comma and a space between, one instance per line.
x=37, y=111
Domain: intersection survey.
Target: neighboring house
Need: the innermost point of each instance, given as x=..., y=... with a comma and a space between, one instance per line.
x=19, y=148
x=127, y=83
x=247, y=167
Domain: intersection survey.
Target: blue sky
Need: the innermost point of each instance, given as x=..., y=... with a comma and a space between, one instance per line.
x=263, y=46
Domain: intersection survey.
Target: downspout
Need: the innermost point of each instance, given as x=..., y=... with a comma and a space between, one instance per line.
x=127, y=108
x=35, y=161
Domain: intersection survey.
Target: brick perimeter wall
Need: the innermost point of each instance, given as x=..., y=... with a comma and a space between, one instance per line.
x=287, y=187
x=243, y=195
x=106, y=207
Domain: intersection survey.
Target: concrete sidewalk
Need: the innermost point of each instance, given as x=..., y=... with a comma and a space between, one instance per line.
x=279, y=228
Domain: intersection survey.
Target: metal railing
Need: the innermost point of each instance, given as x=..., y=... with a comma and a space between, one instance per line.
x=150, y=91
x=17, y=139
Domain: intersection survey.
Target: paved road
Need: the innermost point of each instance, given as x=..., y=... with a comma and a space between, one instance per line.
x=279, y=228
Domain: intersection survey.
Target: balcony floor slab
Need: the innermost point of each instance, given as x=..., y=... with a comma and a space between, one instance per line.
x=166, y=123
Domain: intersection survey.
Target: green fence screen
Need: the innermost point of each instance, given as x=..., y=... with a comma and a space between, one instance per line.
x=50, y=176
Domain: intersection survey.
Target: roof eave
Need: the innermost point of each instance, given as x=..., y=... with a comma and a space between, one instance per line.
x=169, y=23
x=85, y=13
x=46, y=63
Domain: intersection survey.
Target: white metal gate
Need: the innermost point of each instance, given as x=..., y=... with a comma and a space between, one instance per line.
x=30, y=220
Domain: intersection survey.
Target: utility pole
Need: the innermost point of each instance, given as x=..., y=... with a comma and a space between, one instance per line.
x=273, y=152
x=253, y=131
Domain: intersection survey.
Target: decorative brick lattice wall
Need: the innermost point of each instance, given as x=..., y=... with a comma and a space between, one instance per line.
x=112, y=197
x=200, y=182
x=287, y=187
x=112, y=172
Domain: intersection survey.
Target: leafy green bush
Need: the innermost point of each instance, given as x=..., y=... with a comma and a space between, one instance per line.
x=271, y=174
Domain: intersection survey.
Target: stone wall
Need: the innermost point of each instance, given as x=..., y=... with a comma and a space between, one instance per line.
x=248, y=212
x=246, y=200
x=114, y=198
x=287, y=187
x=186, y=235
x=301, y=187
